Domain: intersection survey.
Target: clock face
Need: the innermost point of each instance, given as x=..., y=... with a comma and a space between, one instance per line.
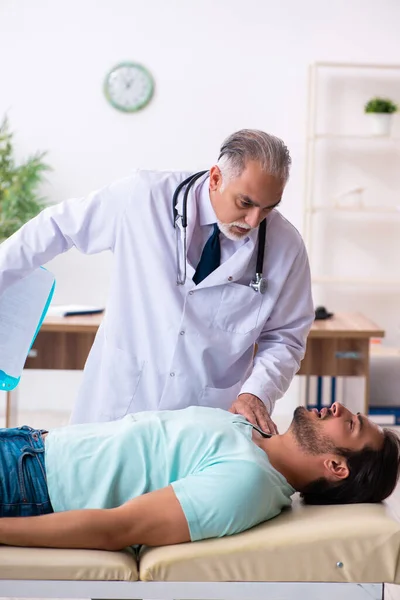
x=128, y=87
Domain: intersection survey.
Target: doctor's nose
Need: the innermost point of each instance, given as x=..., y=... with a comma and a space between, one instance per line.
x=253, y=217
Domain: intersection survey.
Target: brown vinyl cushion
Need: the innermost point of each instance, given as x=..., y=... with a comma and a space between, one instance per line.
x=351, y=543
x=84, y=565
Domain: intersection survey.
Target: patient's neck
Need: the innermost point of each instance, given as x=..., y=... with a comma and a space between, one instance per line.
x=286, y=456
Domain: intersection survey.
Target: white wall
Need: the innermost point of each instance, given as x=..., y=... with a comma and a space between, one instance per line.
x=219, y=65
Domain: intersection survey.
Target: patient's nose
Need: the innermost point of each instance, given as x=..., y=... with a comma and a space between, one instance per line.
x=337, y=409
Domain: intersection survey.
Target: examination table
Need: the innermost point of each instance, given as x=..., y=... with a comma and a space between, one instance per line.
x=317, y=552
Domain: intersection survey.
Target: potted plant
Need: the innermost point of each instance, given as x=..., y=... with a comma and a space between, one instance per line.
x=19, y=200
x=380, y=111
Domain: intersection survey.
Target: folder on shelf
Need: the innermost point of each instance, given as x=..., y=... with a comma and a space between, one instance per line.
x=23, y=307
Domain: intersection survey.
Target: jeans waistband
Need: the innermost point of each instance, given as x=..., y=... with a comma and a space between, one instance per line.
x=23, y=483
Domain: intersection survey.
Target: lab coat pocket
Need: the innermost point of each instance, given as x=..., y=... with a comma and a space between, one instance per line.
x=239, y=309
x=219, y=397
x=120, y=373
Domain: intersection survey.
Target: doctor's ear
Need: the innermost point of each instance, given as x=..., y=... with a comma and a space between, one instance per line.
x=336, y=468
x=215, y=178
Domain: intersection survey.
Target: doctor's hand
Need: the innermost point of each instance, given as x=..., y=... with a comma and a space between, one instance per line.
x=253, y=409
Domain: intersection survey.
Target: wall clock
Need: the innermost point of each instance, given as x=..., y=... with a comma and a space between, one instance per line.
x=128, y=87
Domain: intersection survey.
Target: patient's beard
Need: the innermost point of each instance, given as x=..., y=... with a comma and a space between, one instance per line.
x=307, y=434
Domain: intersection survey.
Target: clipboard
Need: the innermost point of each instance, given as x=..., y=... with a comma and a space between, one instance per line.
x=23, y=307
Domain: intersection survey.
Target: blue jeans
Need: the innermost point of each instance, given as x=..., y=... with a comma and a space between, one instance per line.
x=23, y=484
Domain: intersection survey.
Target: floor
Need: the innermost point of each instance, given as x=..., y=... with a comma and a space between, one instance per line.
x=49, y=420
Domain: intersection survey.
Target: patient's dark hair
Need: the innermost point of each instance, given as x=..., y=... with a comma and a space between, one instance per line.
x=373, y=475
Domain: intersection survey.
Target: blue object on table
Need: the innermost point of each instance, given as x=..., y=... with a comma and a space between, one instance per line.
x=333, y=390
x=391, y=412
x=319, y=393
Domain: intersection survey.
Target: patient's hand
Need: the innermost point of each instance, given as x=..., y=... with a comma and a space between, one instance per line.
x=253, y=409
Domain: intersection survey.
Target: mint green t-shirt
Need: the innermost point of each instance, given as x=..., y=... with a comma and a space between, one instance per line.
x=222, y=479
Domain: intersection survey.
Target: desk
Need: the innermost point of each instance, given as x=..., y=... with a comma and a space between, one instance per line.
x=340, y=347
x=336, y=347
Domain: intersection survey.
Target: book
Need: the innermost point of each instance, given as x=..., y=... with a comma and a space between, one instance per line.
x=23, y=307
x=323, y=391
x=383, y=419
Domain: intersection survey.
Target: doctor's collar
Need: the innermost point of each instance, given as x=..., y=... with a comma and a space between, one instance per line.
x=205, y=211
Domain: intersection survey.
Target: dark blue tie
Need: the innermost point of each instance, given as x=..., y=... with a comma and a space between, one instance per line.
x=210, y=257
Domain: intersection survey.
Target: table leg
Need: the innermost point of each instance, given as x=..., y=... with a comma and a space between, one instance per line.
x=11, y=408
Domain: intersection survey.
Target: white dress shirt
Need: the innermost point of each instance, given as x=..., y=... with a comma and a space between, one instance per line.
x=206, y=218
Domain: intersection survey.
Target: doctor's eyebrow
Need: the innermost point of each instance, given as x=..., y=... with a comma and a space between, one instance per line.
x=250, y=201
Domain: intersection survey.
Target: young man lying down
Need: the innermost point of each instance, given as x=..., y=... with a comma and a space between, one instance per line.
x=159, y=478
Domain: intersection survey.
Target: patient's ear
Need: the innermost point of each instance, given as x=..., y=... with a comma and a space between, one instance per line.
x=336, y=468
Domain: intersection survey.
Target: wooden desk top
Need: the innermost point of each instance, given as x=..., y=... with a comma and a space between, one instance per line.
x=342, y=325
x=78, y=324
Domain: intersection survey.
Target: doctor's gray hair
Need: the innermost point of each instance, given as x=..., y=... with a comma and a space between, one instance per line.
x=252, y=144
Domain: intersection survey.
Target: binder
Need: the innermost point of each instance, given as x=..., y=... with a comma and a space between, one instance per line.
x=385, y=415
x=23, y=307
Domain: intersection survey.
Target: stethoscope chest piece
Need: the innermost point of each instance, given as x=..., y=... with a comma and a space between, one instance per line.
x=259, y=284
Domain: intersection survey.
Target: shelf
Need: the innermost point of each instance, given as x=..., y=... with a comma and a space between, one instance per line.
x=358, y=205
x=342, y=65
x=355, y=281
x=392, y=210
x=338, y=136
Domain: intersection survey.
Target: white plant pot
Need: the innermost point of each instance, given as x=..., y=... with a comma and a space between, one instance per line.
x=380, y=123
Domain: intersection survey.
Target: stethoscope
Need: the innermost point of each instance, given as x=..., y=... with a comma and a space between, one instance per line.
x=258, y=284
x=264, y=434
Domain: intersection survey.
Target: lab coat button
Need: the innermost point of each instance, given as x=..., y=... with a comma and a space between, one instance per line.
x=172, y=374
x=230, y=278
x=182, y=333
x=191, y=293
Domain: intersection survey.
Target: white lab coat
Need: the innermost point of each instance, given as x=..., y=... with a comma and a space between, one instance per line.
x=163, y=346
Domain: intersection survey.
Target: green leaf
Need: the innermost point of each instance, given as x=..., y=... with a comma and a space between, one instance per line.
x=19, y=199
x=380, y=105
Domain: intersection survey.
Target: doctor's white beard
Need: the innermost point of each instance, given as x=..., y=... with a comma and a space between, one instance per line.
x=226, y=229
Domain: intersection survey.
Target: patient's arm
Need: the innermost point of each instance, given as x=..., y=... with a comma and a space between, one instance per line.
x=154, y=519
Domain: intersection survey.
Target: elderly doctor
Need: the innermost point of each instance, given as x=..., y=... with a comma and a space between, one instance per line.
x=182, y=319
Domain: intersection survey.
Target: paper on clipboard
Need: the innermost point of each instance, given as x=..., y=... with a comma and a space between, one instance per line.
x=23, y=307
